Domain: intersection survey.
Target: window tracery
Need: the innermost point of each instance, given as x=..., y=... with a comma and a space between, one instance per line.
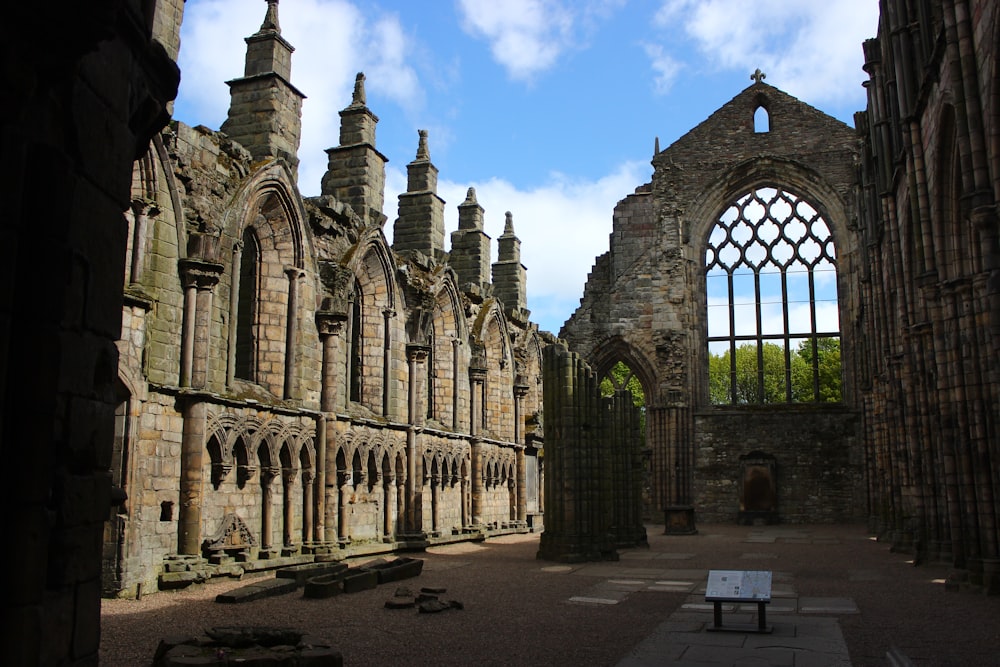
x=773, y=319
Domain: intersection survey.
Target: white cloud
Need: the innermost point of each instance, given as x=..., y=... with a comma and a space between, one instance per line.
x=810, y=49
x=525, y=36
x=665, y=68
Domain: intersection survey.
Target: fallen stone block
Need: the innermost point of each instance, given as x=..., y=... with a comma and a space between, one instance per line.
x=360, y=580
x=258, y=646
x=325, y=585
x=399, y=569
x=302, y=573
x=262, y=589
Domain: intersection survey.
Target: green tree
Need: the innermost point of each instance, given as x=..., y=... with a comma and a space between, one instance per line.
x=621, y=377
x=827, y=367
x=750, y=374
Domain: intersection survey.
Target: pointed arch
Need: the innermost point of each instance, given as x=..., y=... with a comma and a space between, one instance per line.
x=373, y=325
x=610, y=351
x=492, y=332
x=447, y=328
x=265, y=246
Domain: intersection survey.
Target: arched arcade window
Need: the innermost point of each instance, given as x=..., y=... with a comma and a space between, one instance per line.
x=771, y=288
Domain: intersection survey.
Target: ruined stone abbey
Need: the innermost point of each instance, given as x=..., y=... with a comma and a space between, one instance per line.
x=208, y=373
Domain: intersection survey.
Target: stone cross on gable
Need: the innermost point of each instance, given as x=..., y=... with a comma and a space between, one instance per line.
x=758, y=76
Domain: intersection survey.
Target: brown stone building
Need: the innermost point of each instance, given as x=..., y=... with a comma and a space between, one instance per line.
x=812, y=311
x=275, y=357
x=291, y=385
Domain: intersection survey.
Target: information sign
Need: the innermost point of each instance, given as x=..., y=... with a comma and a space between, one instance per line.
x=739, y=585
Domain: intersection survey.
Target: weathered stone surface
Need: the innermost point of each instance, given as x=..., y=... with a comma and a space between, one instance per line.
x=306, y=571
x=255, y=591
x=247, y=646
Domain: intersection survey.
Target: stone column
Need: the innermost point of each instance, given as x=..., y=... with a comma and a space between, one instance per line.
x=194, y=413
x=188, y=331
x=455, y=394
x=346, y=488
x=400, y=496
x=389, y=493
x=329, y=324
x=416, y=356
x=292, y=330
x=387, y=383
x=141, y=211
x=288, y=476
x=308, y=530
x=466, y=513
x=520, y=391
x=477, y=375
x=435, y=479
x=478, y=492
x=267, y=476
x=199, y=278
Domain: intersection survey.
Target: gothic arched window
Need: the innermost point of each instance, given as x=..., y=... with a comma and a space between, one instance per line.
x=246, y=309
x=773, y=319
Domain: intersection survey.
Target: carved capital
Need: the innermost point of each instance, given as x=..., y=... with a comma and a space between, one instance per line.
x=416, y=352
x=199, y=273
x=330, y=323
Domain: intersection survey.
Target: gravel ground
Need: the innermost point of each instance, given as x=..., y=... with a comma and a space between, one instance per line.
x=516, y=613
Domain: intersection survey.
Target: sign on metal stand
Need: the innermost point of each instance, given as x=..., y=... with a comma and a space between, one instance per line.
x=739, y=587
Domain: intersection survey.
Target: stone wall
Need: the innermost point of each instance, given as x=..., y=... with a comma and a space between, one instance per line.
x=645, y=301
x=820, y=472
x=276, y=352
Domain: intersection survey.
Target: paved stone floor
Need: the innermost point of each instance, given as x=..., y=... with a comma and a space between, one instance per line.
x=838, y=598
x=804, y=631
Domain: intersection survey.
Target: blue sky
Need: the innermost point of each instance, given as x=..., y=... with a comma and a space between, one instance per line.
x=549, y=108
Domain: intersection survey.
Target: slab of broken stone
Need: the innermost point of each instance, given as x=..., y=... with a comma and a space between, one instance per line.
x=396, y=569
x=306, y=571
x=427, y=601
x=264, y=588
x=258, y=646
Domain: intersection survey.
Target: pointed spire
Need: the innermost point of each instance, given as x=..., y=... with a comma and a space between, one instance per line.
x=508, y=225
x=422, y=152
x=509, y=277
x=359, y=99
x=470, y=197
x=265, y=108
x=420, y=225
x=271, y=18
x=656, y=146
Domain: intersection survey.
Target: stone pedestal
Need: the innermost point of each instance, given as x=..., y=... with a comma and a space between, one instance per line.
x=679, y=520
